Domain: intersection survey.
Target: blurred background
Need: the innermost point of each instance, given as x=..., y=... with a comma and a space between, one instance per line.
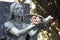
x=41, y=7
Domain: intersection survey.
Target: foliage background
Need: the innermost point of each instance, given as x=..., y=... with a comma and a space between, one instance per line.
x=44, y=8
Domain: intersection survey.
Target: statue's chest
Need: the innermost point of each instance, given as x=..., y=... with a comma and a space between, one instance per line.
x=19, y=25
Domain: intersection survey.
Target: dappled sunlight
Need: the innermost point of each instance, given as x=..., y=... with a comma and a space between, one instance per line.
x=43, y=35
x=50, y=34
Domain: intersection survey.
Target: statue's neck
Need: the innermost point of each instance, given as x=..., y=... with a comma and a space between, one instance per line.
x=18, y=19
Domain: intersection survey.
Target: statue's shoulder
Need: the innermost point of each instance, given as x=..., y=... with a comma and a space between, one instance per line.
x=6, y=24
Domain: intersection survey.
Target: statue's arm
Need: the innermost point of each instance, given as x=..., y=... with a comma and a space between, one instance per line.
x=33, y=32
x=47, y=20
x=13, y=30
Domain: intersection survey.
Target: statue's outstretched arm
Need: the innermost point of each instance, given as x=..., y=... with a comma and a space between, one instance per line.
x=13, y=30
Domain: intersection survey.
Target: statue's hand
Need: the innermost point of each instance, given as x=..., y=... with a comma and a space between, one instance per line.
x=50, y=17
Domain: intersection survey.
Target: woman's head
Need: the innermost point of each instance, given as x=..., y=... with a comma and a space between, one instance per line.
x=35, y=19
x=21, y=0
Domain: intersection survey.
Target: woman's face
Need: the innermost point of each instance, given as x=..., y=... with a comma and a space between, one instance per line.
x=35, y=20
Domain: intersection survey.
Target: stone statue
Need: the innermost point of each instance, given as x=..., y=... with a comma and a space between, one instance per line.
x=16, y=28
